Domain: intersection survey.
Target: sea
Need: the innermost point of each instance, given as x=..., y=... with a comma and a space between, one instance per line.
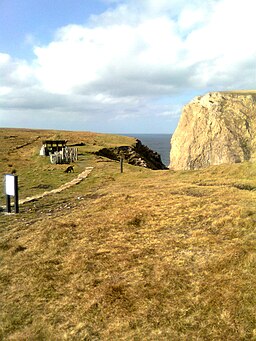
x=158, y=142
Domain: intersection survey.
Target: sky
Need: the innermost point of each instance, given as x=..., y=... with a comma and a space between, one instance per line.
x=119, y=66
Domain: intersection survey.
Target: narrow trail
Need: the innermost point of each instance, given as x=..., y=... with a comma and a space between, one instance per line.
x=67, y=185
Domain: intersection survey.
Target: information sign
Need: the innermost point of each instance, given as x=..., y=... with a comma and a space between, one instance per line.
x=11, y=190
x=10, y=184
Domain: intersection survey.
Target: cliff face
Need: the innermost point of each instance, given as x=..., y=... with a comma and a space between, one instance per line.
x=216, y=128
x=137, y=155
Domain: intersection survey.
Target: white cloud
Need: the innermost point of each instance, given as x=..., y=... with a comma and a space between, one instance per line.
x=134, y=54
x=192, y=17
x=5, y=90
x=4, y=59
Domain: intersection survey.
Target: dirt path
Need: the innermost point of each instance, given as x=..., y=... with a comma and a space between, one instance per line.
x=67, y=185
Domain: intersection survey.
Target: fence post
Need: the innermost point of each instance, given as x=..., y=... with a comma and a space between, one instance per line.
x=121, y=164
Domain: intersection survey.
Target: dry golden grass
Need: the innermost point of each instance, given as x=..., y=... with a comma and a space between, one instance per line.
x=143, y=255
x=241, y=92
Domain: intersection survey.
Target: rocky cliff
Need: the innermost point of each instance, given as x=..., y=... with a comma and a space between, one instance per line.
x=137, y=155
x=219, y=127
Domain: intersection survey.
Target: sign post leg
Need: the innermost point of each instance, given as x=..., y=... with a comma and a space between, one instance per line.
x=8, y=203
x=16, y=196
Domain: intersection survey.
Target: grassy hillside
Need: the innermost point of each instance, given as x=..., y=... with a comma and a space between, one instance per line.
x=19, y=150
x=143, y=255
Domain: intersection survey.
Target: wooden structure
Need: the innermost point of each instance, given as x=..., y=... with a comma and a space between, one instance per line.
x=58, y=151
x=66, y=155
x=52, y=146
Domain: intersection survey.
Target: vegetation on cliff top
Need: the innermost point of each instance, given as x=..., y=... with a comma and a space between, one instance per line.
x=143, y=255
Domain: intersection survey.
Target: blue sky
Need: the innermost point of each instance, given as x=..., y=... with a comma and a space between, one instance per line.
x=38, y=20
x=119, y=66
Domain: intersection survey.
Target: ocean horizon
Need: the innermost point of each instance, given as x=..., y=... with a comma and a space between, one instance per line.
x=160, y=143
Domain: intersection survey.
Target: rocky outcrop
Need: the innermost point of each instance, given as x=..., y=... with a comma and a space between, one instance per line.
x=137, y=155
x=219, y=127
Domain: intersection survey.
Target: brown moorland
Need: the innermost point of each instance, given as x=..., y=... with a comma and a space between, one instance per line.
x=143, y=255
